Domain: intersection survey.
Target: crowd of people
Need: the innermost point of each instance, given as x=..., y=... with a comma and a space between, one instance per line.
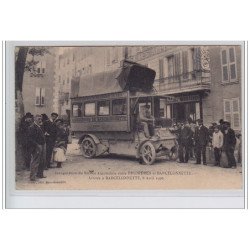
x=43, y=141
x=194, y=139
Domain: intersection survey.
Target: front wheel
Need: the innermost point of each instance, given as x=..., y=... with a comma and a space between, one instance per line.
x=88, y=148
x=148, y=153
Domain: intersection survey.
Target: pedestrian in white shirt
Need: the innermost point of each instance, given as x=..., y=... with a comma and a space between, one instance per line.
x=217, y=143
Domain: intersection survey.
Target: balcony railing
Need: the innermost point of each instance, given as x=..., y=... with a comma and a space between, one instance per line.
x=190, y=81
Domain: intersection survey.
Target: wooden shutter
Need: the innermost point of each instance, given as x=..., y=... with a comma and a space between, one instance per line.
x=235, y=107
x=224, y=64
x=177, y=65
x=232, y=64
x=37, y=101
x=161, y=70
x=227, y=110
x=197, y=59
x=185, y=64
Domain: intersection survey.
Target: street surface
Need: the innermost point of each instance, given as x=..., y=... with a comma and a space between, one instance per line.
x=113, y=172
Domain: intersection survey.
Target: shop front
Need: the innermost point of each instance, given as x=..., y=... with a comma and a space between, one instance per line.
x=182, y=107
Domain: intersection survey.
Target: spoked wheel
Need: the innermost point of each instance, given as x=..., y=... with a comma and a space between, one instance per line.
x=173, y=154
x=148, y=153
x=88, y=148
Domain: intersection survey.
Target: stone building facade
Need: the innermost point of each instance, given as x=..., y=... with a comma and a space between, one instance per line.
x=38, y=85
x=205, y=80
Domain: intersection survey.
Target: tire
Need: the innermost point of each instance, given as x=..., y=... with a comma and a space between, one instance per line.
x=173, y=154
x=88, y=147
x=148, y=153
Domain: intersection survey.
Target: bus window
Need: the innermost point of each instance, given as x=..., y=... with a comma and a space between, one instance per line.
x=77, y=110
x=89, y=109
x=119, y=107
x=103, y=108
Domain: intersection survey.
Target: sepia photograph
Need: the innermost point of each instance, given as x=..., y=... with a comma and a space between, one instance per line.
x=129, y=117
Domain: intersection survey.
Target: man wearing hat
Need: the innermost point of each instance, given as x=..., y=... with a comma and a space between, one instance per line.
x=25, y=123
x=147, y=120
x=38, y=154
x=51, y=137
x=229, y=144
x=201, y=138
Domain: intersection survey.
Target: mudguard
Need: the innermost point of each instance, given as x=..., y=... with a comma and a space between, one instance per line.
x=95, y=139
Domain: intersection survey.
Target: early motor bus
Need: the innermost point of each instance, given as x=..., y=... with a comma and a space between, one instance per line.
x=104, y=115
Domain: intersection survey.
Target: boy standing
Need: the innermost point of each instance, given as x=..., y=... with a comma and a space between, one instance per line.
x=217, y=143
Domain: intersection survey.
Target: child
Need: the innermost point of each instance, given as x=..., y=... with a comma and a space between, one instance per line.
x=61, y=145
x=217, y=143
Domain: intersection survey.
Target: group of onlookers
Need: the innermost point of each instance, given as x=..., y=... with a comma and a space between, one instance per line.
x=43, y=141
x=195, y=138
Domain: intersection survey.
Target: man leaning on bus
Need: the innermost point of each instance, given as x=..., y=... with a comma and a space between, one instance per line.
x=147, y=120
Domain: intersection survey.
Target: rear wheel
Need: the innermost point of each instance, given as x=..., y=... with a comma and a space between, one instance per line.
x=88, y=148
x=148, y=153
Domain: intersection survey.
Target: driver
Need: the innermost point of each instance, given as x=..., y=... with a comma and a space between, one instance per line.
x=147, y=120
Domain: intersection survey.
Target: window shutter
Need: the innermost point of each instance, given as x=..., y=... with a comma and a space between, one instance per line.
x=185, y=64
x=161, y=72
x=232, y=64
x=227, y=110
x=42, y=96
x=177, y=66
x=37, y=101
x=224, y=63
x=197, y=59
x=236, y=113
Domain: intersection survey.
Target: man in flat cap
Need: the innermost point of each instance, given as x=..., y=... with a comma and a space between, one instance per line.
x=201, y=138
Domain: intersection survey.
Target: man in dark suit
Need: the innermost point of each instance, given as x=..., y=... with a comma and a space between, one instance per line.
x=36, y=139
x=26, y=122
x=201, y=137
x=185, y=142
x=229, y=144
x=50, y=130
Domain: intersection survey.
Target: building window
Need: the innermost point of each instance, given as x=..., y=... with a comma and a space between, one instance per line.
x=40, y=67
x=185, y=64
x=161, y=71
x=59, y=78
x=228, y=64
x=232, y=112
x=77, y=110
x=89, y=109
x=119, y=107
x=40, y=96
x=103, y=108
x=170, y=61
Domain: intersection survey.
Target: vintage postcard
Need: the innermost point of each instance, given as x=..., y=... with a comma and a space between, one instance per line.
x=155, y=117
